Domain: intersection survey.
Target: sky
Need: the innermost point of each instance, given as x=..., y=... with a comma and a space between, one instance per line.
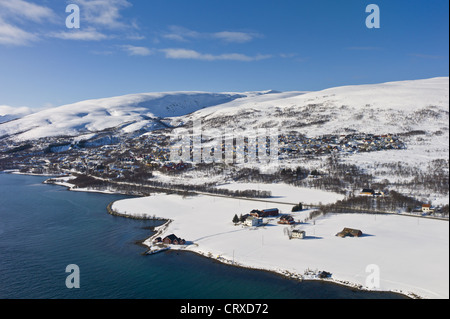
x=137, y=46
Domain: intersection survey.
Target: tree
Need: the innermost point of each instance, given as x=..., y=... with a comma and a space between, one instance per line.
x=235, y=219
x=297, y=208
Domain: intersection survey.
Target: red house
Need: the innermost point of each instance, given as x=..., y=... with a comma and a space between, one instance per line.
x=173, y=240
x=286, y=219
x=265, y=212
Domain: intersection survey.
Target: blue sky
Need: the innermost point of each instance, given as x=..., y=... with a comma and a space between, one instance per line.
x=135, y=46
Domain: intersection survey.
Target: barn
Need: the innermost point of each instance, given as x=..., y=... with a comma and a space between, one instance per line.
x=349, y=232
x=270, y=212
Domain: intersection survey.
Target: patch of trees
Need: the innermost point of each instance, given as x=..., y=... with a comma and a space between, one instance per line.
x=368, y=204
x=19, y=148
x=297, y=208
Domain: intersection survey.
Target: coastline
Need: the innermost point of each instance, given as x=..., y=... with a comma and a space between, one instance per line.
x=159, y=230
x=284, y=273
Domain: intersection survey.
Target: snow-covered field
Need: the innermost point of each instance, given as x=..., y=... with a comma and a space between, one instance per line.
x=412, y=254
x=289, y=194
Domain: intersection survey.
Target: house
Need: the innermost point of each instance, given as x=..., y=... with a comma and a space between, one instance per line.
x=253, y=221
x=265, y=212
x=256, y=213
x=173, y=240
x=286, y=219
x=349, y=232
x=367, y=191
x=297, y=233
x=270, y=212
x=427, y=208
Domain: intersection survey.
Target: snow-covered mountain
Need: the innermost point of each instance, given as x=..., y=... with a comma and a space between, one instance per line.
x=395, y=107
x=9, y=113
x=129, y=113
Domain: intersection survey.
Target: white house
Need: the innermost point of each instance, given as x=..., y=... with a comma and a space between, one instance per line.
x=252, y=221
x=427, y=208
x=297, y=233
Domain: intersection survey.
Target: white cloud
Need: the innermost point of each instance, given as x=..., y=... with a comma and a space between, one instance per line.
x=135, y=50
x=194, y=55
x=236, y=37
x=80, y=35
x=105, y=13
x=12, y=35
x=27, y=10
x=178, y=33
x=14, y=12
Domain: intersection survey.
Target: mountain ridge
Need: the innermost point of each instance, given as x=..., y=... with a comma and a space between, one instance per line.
x=393, y=105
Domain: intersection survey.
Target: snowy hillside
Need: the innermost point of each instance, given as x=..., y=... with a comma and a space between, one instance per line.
x=129, y=112
x=8, y=113
x=394, y=107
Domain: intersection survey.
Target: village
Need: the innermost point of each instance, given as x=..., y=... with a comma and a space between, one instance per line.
x=106, y=153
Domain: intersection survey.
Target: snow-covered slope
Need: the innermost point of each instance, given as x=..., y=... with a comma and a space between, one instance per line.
x=394, y=107
x=136, y=111
x=9, y=113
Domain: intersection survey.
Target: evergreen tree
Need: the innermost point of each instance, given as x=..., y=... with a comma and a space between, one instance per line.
x=235, y=219
x=297, y=208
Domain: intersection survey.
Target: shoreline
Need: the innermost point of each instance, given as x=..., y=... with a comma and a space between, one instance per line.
x=159, y=230
x=293, y=277
x=283, y=273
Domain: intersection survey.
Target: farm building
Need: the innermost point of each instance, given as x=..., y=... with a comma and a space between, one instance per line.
x=265, y=212
x=297, y=233
x=286, y=219
x=349, y=232
x=270, y=212
x=173, y=240
x=253, y=221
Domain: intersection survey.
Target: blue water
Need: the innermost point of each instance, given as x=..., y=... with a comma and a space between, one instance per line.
x=44, y=228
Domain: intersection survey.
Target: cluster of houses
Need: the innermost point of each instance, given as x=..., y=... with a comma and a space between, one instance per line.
x=171, y=167
x=255, y=219
x=326, y=144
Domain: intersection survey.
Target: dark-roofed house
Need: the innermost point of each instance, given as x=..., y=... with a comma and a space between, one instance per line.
x=173, y=240
x=265, y=212
x=286, y=219
x=270, y=212
x=350, y=232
